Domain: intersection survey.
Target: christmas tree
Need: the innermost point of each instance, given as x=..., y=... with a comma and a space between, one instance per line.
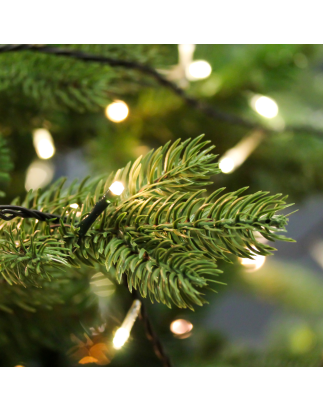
x=157, y=237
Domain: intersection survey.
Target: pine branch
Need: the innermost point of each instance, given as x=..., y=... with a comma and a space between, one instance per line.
x=151, y=72
x=162, y=232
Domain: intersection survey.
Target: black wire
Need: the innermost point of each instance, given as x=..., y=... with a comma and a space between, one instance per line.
x=9, y=212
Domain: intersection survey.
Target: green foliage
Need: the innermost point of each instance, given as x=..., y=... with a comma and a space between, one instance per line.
x=5, y=163
x=59, y=82
x=163, y=233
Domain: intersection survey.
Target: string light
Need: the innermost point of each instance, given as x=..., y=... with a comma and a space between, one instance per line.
x=226, y=165
x=181, y=328
x=198, y=70
x=43, y=143
x=123, y=333
x=116, y=188
x=39, y=174
x=117, y=111
x=237, y=155
x=74, y=205
x=253, y=264
x=265, y=106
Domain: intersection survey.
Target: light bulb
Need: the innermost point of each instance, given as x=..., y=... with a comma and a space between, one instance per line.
x=226, y=165
x=180, y=327
x=39, y=174
x=120, y=337
x=43, y=143
x=265, y=106
x=74, y=205
x=117, y=111
x=233, y=158
x=253, y=264
x=116, y=188
x=123, y=333
x=198, y=70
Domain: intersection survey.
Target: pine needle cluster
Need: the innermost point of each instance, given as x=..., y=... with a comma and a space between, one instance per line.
x=164, y=233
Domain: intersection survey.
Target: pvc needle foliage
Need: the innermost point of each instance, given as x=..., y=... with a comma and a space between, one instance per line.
x=163, y=232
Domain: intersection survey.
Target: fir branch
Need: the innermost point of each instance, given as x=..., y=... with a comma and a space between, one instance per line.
x=151, y=72
x=162, y=233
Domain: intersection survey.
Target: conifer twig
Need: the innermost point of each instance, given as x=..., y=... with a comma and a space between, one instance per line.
x=191, y=101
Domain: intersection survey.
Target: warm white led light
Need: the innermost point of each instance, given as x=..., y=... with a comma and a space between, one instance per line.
x=74, y=205
x=227, y=165
x=39, y=174
x=253, y=265
x=198, y=70
x=122, y=334
x=233, y=158
x=116, y=188
x=265, y=106
x=43, y=143
x=117, y=111
x=181, y=326
x=120, y=337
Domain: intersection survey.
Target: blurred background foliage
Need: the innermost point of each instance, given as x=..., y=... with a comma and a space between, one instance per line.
x=271, y=316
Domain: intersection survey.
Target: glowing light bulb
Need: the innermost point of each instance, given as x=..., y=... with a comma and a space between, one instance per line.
x=255, y=263
x=120, y=337
x=180, y=327
x=116, y=188
x=74, y=205
x=198, y=70
x=117, y=111
x=123, y=333
x=265, y=106
x=39, y=174
x=226, y=165
x=237, y=155
x=43, y=143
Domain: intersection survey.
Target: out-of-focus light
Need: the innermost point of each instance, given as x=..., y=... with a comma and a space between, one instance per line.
x=265, y=106
x=117, y=111
x=43, y=143
x=39, y=174
x=198, y=70
x=120, y=337
x=226, y=165
x=88, y=360
x=123, y=333
x=181, y=327
x=74, y=205
x=253, y=264
x=186, y=49
x=20, y=366
x=238, y=154
x=116, y=188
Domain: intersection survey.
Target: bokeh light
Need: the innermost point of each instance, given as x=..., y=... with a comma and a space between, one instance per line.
x=43, y=143
x=181, y=328
x=116, y=188
x=226, y=165
x=198, y=70
x=253, y=264
x=265, y=106
x=117, y=111
x=120, y=337
x=39, y=174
